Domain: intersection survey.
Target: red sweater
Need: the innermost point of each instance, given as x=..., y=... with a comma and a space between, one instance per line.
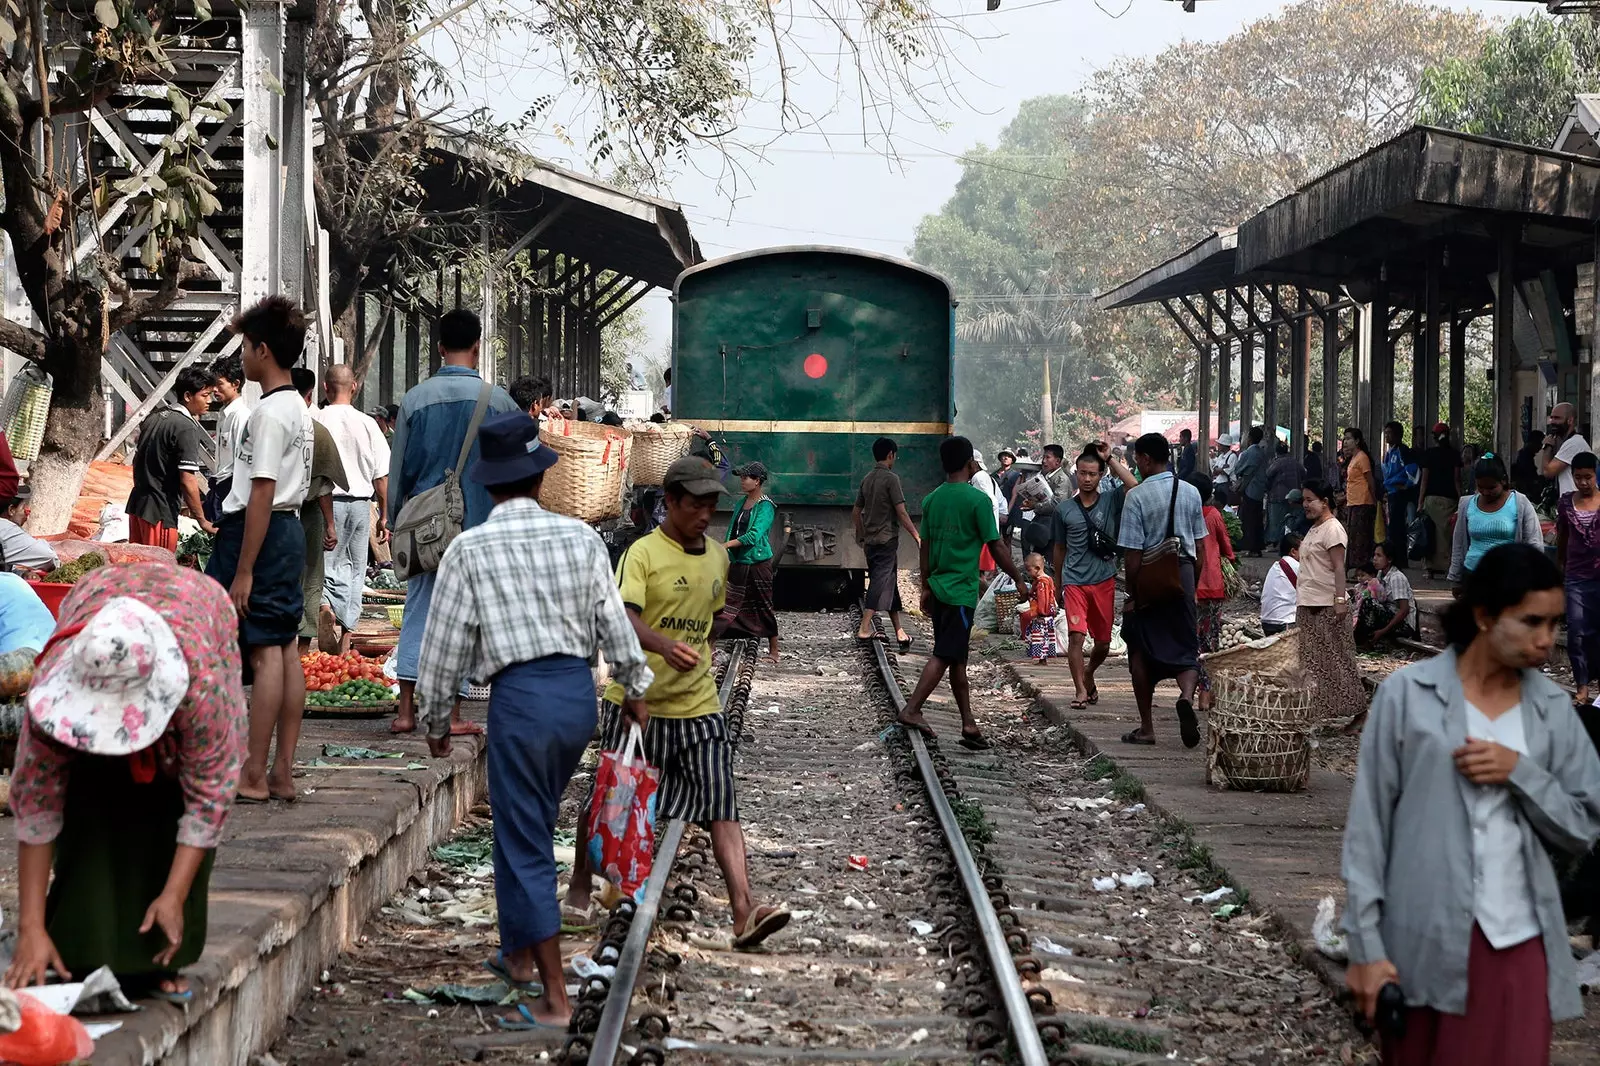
x=1215, y=546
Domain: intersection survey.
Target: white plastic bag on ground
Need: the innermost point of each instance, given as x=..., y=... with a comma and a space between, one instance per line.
x=1324, y=931
x=984, y=616
x=113, y=524
x=1062, y=636
x=1589, y=972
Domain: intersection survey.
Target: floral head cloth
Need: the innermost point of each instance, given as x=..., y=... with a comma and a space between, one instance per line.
x=111, y=688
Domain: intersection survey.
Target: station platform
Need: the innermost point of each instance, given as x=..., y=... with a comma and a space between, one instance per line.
x=294, y=882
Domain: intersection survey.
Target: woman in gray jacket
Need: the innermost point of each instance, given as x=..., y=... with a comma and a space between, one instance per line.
x=1472, y=765
x=1494, y=515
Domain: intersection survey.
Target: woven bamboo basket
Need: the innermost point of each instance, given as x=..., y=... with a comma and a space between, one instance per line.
x=1005, y=612
x=1277, y=655
x=588, y=482
x=1257, y=734
x=656, y=446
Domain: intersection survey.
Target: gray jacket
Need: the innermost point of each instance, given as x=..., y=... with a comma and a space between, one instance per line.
x=1528, y=531
x=1408, y=860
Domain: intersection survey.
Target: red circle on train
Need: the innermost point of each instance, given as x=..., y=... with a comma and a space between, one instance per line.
x=816, y=365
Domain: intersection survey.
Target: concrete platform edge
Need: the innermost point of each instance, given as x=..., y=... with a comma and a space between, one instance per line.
x=230, y=1025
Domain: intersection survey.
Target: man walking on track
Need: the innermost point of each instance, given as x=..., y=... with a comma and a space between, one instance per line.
x=365, y=455
x=878, y=517
x=429, y=430
x=1162, y=635
x=166, y=465
x=527, y=599
x=957, y=522
x=260, y=549
x=1085, y=556
x=672, y=582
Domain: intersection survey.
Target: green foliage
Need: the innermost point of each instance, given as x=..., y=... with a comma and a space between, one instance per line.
x=974, y=826
x=1520, y=83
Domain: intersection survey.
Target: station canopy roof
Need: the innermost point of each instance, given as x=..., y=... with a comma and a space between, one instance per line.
x=630, y=233
x=1375, y=219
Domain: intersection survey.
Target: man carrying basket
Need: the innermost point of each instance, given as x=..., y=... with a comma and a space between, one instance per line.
x=527, y=599
x=673, y=581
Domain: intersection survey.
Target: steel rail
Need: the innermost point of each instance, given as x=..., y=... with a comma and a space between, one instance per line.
x=607, y=1039
x=1030, y=1048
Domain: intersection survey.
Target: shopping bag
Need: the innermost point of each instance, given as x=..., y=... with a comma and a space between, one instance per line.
x=622, y=816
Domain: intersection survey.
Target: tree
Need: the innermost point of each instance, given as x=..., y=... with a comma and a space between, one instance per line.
x=1520, y=83
x=1202, y=135
x=50, y=207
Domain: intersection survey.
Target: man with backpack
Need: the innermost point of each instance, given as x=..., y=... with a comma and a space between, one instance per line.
x=434, y=437
x=1084, y=546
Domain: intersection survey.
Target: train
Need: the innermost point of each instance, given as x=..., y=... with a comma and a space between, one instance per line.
x=801, y=357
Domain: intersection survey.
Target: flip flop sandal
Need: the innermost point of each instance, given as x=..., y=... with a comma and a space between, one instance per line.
x=905, y=645
x=241, y=800
x=975, y=743
x=1093, y=697
x=573, y=918
x=496, y=965
x=762, y=923
x=1188, y=725
x=1132, y=737
x=1079, y=705
x=528, y=1023
x=177, y=999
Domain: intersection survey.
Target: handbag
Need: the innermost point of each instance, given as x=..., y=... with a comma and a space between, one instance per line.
x=1101, y=543
x=430, y=520
x=1160, y=577
x=620, y=831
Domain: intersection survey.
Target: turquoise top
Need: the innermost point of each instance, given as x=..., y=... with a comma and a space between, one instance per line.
x=753, y=531
x=1489, y=529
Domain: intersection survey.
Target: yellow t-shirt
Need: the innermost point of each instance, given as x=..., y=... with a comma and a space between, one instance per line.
x=677, y=594
x=1358, y=485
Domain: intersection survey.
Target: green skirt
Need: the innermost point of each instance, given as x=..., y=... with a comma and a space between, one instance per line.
x=111, y=862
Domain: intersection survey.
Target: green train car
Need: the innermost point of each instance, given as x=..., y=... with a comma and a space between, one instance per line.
x=800, y=358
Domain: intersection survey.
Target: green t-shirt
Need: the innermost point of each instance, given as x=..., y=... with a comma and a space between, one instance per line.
x=957, y=521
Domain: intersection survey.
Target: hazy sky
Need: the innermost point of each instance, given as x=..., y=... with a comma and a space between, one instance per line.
x=835, y=189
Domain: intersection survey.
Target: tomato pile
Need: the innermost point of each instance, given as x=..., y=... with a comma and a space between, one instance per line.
x=324, y=671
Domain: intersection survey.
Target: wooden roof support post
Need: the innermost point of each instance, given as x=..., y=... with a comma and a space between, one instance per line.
x=1300, y=378
x=1269, y=383
x=1433, y=314
x=1330, y=385
x=1382, y=367
x=1458, y=376
x=1247, y=373
x=1203, y=353
x=1594, y=336
x=1505, y=349
x=1224, y=380
x=1368, y=329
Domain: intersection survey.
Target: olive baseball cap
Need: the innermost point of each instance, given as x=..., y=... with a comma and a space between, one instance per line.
x=695, y=476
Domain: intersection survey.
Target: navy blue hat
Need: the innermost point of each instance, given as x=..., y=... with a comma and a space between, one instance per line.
x=509, y=450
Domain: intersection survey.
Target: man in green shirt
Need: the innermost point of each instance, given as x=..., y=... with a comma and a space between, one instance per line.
x=957, y=521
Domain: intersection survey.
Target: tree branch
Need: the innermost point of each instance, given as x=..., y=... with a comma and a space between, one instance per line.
x=30, y=344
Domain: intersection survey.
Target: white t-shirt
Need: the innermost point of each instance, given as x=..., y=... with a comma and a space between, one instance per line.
x=1570, y=449
x=362, y=449
x=229, y=426
x=1278, y=597
x=1502, y=896
x=276, y=445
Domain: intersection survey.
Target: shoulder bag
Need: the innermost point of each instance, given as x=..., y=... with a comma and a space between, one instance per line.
x=430, y=520
x=1160, y=578
x=1101, y=544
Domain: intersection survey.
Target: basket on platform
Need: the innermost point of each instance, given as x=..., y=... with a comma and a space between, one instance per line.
x=587, y=483
x=1005, y=612
x=656, y=446
x=1277, y=655
x=1258, y=731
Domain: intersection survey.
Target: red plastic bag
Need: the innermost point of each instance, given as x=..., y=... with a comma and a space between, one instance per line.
x=622, y=816
x=46, y=1038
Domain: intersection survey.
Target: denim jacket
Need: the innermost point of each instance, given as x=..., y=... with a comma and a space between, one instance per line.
x=1408, y=856
x=427, y=438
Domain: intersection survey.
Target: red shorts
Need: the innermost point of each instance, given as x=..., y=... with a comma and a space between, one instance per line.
x=142, y=532
x=1091, y=609
x=985, y=559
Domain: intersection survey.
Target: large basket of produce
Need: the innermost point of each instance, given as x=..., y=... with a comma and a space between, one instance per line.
x=1274, y=656
x=54, y=586
x=656, y=446
x=351, y=699
x=1257, y=734
x=588, y=482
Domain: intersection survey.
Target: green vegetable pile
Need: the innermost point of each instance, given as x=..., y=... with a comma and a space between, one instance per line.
x=351, y=694
x=71, y=572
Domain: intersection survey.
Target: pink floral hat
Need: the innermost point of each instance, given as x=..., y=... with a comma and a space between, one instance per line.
x=112, y=687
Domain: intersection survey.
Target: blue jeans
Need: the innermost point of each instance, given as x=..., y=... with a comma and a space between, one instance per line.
x=346, y=573
x=408, y=651
x=1583, y=628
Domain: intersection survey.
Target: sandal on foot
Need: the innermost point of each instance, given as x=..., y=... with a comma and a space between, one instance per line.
x=1093, y=697
x=758, y=925
x=574, y=918
x=1188, y=724
x=975, y=742
x=240, y=799
x=496, y=964
x=1133, y=736
x=905, y=643
x=1079, y=705
x=528, y=1022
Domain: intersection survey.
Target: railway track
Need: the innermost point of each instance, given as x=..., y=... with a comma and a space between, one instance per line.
x=910, y=873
